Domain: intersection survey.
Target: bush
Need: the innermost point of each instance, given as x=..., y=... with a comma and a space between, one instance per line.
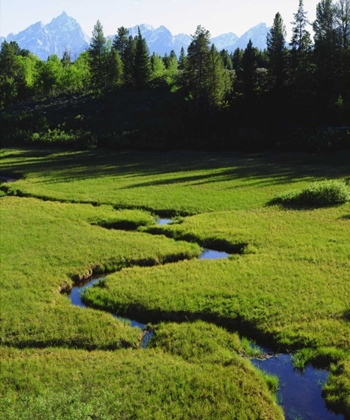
x=318, y=194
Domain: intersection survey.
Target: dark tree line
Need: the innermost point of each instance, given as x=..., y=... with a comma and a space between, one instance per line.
x=303, y=83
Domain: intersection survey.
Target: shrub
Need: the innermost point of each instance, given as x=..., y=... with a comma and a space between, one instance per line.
x=318, y=194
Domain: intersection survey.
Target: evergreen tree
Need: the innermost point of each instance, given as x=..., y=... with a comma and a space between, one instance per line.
x=196, y=66
x=218, y=82
x=173, y=55
x=342, y=13
x=236, y=58
x=301, y=45
x=226, y=59
x=276, y=51
x=205, y=76
x=248, y=73
x=342, y=16
x=114, y=73
x=182, y=59
x=65, y=80
x=66, y=59
x=97, y=53
x=120, y=42
x=326, y=40
x=166, y=60
x=142, y=67
x=301, y=39
x=302, y=78
x=129, y=61
x=328, y=58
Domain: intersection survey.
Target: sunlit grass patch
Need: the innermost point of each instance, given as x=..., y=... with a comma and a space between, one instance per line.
x=129, y=384
x=295, y=308
x=198, y=342
x=44, y=245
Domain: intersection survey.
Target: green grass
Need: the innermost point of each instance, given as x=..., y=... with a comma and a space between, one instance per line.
x=129, y=384
x=46, y=244
x=167, y=183
x=318, y=194
x=287, y=286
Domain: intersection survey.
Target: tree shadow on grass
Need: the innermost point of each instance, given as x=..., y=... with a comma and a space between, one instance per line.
x=56, y=166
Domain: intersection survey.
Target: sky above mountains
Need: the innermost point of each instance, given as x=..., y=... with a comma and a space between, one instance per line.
x=180, y=16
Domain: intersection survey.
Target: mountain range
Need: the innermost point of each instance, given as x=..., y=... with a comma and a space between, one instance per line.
x=64, y=33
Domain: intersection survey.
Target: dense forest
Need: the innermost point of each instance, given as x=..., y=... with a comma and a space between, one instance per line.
x=294, y=94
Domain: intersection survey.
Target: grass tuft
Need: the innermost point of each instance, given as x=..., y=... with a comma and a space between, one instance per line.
x=318, y=194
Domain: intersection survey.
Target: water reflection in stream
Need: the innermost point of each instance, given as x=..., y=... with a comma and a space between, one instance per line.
x=163, y=222
x=300, y=393
x=210, y=254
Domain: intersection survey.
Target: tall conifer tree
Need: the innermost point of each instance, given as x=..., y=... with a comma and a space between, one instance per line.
x=114, y=71
x=129, y=61
x=196, y=66
x=342, y=15
x=120, y=42
x=182, y=59
x=276, y=50
x=218, y=80
x=142, y=65
x=248, y=73
x=97, y=53
x=206, y=78
x=301, y=39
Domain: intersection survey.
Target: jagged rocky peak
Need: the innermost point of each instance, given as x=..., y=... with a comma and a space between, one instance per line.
x=62, y=17
x=63, y=22
x=257, y=34
x=64, y=33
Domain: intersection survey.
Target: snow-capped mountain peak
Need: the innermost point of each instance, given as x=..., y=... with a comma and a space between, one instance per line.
x=64, y=33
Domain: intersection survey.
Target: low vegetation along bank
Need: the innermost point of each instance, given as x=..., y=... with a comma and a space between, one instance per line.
x=288, y=286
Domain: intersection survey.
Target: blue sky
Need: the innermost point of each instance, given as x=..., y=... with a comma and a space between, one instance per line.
x=180, y=16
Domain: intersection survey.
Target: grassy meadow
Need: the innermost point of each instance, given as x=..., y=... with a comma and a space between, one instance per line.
x=73, y=213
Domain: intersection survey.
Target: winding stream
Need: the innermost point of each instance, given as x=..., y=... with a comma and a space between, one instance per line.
x=300, y=393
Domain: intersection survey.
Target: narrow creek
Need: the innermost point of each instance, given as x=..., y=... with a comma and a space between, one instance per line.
x=300, y=392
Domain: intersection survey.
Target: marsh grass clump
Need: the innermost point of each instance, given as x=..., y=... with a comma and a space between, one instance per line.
x=320, y=357
x=318, y=194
